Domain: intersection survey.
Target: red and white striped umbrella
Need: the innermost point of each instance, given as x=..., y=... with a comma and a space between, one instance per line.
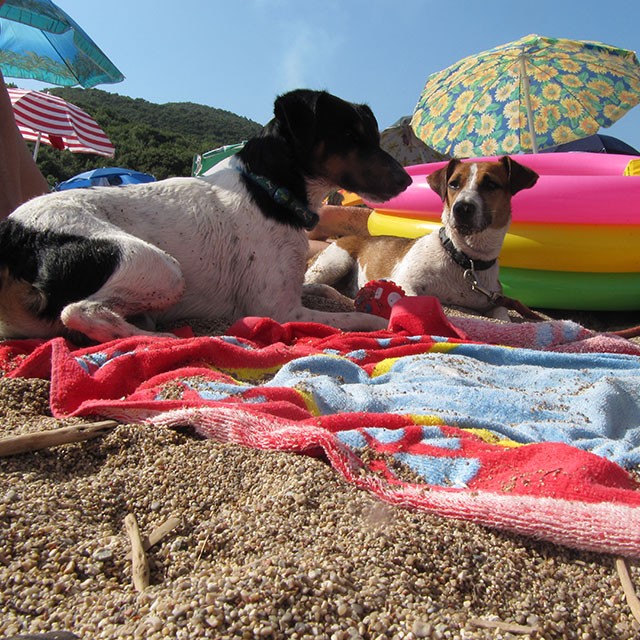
x=42, y=117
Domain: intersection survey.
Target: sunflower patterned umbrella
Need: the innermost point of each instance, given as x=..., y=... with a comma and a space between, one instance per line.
x=526, y=95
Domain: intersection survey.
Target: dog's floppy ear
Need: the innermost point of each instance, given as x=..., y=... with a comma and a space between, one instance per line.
x=520, y=177
x=296, y=113
x=438, y=180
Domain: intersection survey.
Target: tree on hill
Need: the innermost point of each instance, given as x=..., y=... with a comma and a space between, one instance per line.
x=157, y=139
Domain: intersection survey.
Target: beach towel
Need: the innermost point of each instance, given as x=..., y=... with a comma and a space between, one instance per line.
x=534, y=438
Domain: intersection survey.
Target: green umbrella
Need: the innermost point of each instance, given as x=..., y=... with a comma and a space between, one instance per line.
x=526, y=95
x=203, y=162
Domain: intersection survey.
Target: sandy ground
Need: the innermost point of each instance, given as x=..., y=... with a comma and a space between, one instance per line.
x=267, y=545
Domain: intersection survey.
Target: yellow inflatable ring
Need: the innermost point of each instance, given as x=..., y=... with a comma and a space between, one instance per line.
x=545, y=247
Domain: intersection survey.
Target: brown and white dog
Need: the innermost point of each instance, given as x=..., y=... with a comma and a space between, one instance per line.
x=458, y=264
x=111, y=262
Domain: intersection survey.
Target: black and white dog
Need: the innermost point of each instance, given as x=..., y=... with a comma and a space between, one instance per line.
x=106, y=261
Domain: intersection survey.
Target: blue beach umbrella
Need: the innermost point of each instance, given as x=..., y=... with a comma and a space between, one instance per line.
x=105, y=177
x=39, y=41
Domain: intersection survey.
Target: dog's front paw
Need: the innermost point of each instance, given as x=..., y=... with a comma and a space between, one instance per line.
x=500, y=313
x=346, y=321
x=370, y=322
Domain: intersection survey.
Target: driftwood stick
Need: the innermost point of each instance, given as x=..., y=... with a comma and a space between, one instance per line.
x=139, y=563
x=26, y=442
x=508, y=627
x=158, y=534
x=628, y=588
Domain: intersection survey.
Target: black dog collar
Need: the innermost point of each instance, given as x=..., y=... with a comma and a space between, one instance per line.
x=462, y=258
x=284, y=197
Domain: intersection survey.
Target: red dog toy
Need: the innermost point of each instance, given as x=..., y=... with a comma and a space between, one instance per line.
x=377, y=297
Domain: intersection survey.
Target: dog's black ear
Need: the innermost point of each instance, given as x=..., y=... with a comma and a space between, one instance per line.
x=438, y=180
x=296, y=113
x=520, y=177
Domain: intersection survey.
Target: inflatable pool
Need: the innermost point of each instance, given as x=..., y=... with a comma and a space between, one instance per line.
x=574, y=241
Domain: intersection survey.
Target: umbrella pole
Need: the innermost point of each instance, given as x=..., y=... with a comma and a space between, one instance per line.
x=36, y=147
x=527, y=103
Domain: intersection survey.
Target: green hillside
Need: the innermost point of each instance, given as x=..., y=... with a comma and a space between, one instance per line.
x=160, y=139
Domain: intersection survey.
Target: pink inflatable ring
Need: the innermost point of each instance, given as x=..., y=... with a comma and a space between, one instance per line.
x=581, y=218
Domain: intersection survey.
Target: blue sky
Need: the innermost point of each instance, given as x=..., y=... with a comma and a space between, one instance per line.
x=240, y=54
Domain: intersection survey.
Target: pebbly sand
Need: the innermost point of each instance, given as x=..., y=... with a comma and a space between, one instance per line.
x=267, y=545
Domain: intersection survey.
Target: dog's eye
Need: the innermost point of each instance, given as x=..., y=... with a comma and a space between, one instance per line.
x=491, y=185
x=454, y=184
x=352, y=135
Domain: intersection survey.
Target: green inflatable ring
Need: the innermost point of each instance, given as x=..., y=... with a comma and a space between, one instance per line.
x=572, y=290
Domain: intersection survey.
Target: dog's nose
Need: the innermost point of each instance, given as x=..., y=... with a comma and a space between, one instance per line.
x=403, y=179
x=464, y=209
